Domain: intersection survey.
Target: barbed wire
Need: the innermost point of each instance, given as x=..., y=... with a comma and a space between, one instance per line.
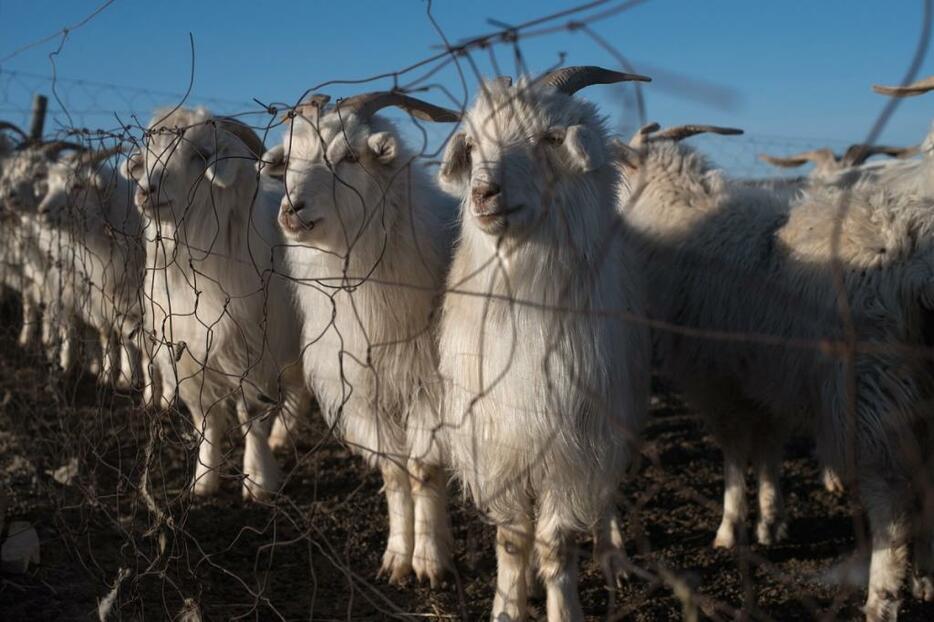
x=152, y=325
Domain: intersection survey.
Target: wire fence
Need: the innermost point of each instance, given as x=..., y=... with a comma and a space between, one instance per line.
x=256, y=364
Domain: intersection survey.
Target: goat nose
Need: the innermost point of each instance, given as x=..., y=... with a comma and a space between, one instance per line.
x=290, y=207
x=485, y=191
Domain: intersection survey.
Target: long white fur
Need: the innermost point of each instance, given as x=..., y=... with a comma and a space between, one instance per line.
x=727, y=258
x=220, y=311
x=548, y=381
x=368, y=275
x=22, y=186
x=92, y=232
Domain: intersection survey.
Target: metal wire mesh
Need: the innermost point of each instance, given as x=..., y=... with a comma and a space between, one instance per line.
x=108, y=311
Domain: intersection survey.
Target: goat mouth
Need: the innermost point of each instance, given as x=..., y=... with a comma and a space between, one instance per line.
x=293, y=223
x=150, y=207
x=490, y=218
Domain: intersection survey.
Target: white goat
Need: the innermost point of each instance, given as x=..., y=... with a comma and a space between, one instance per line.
x=371, y=242
x=547, y=375
x=222, y=316
x=725, y=258
x=93, y=232
x=23, y=184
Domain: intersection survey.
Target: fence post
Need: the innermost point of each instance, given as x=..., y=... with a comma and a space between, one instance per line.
x=37, y=124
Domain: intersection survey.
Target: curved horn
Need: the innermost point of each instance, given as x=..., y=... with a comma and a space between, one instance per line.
x=6, y=125
x=820, y=157
x=789, y=162
x=245, y=133
x=94, y=157
x=680, y=132
x=859, y=153
x=55, y=147
x=569, y=80
x=310, y=107
x=642, y=133
x=368, y=104
x=908, y=90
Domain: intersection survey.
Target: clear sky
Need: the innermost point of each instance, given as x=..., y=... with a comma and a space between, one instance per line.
x=798, y=69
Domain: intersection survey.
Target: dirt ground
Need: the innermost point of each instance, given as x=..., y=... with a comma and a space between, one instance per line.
x=315, y=553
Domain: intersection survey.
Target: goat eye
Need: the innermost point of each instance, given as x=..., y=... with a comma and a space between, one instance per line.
x=554, y=137
x=350, y=158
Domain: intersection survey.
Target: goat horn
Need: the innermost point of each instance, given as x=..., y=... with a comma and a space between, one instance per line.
x=789, y=162
x=820, y=157
x=6, y=125
x=908, y=90
x=53, y=148
x=859, y=153
x=313, y=105
x=368, y=104
x=680, y=132
x=94, y=157
x=642, y=133
x=569, y=80
x=245, y=133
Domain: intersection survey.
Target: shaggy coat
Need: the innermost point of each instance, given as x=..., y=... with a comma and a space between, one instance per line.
x=23, y=183
x=757, y=270
x=220, y=312
x=370, y=245
x=93, y=234
x=548, y=381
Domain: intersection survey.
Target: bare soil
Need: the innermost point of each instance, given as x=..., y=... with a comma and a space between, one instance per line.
x=315, y=552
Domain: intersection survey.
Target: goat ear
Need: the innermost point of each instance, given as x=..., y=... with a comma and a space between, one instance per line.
x=132, y=167
x=384, y=146
x=455, y=165
x=273, y=163
x=221, y=171
x=231, y=156
x=584, y=148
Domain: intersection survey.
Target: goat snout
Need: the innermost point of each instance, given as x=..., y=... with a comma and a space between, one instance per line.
x=289, y=218
x=288, y=206
x=148, y=196
x=485, y=193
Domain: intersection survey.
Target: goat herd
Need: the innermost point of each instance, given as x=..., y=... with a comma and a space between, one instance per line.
x=501, y=324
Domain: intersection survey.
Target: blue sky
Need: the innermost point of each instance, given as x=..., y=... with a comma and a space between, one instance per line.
x=797, y=69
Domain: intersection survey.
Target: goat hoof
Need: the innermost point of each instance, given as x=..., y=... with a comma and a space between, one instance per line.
x=206, y=485
x=771, y=533
x=396, y=567
x=614, y=565
x=922, y=588
x=261, y=483
x=254, y=492
x=430, y=563
x=832, y=482
x=726, y=537
x=881, y=608
x=278, y=441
